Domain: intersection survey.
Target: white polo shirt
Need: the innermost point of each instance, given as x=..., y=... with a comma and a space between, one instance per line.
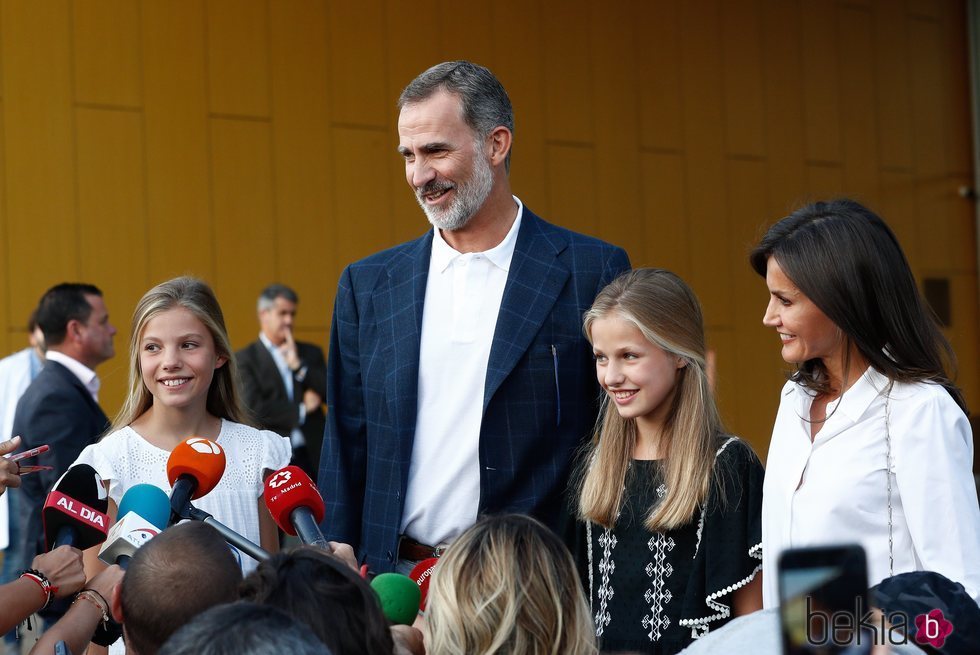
x=462, y=300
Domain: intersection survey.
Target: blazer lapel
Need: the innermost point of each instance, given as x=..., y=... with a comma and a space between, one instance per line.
x=401, y=297
x=536, y=278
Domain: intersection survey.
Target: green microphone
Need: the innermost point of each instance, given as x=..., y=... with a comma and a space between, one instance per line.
x=400, y=597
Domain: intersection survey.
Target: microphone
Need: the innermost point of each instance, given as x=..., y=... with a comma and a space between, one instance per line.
x=399, y=596
x=422, y=575
x=74, y=513
x=296, y=505
x=243, y=544
x=194, y=468
x=144, y=512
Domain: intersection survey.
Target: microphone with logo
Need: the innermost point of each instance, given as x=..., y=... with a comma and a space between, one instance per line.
x=296, y=505
x=74, y=513
x=144, y=511
x=422, y=575
x=194, y=468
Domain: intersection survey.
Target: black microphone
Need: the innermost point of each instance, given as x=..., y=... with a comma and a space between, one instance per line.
x=74, y=513
x=243, y=544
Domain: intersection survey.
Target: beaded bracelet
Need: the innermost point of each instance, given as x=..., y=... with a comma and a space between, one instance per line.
x=42, y=581
x=94, y=597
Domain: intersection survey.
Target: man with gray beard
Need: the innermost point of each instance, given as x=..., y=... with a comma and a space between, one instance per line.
x=459, y=381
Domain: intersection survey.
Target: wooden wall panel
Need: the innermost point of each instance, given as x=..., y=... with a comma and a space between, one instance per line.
x=898, y=207
x=238, y=57
x=704, y=141
x=178, y=192
x=928, y=100
x=741, y=26
x=519, y=64
x=106, y=52
x=893, y=109
x=821, y=63
x=572, y=168
x=567, y=57
x=955, y=74
x=302, y=167
x=42, y=228
x=749, y=379
x=111, y=209
x=617, y=157
x=665, y=230
x=784, y=105
x=357, y=63
x=859, y=141
x=824, y=181
x=244, y=207
x=362, y=214
x=656, y=32
x=458, y=39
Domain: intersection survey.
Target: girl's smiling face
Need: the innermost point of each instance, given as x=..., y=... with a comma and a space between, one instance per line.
x=638, y=376
x=178, y=358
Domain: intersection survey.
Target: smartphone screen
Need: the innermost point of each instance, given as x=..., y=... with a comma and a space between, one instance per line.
x=822, y=597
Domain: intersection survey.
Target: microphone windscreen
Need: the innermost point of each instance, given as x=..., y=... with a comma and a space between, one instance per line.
x=422, y=575
x=399, y=596
x=78, y=500
x=200, y=459
x=288, y=489
x=149, y=502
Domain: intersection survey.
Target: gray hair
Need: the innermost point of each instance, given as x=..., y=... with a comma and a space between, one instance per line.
x=486, y=105
x=269, y=294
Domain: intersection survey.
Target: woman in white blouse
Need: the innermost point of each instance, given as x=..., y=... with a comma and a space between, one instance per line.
x=871, y=442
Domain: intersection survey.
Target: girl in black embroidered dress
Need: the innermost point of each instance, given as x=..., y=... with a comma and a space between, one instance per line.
x=671, y=505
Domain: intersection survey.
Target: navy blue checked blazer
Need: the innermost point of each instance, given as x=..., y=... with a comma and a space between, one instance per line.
x=540, y=398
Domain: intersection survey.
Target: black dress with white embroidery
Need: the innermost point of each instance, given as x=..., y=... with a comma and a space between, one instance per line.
x=656, y=592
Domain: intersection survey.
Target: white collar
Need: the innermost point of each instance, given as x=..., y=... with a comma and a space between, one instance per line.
x=85, y=375
x=500, y=255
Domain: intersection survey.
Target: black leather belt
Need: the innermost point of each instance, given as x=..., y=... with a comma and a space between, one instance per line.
x=412, y=550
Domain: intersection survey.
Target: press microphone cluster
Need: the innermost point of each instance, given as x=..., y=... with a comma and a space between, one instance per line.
x=194, y=468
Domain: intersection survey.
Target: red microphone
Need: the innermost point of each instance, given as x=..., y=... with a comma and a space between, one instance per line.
x=194, y=468
x=296, y=505
x=422, y=574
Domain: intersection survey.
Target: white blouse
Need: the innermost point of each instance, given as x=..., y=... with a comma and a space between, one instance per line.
x=834, y=490
x=126, y=459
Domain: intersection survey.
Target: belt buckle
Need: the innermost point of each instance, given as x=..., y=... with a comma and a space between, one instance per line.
x=439, y=550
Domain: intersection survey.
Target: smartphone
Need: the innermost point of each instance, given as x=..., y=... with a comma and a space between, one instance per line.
x=823, y=594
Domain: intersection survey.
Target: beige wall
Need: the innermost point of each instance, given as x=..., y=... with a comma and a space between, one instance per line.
x=248, y=141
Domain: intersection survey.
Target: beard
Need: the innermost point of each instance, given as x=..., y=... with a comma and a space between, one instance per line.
x=470, y=196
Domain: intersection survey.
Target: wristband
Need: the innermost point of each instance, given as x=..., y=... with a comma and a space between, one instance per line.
x=42, y=581
x=94, y=597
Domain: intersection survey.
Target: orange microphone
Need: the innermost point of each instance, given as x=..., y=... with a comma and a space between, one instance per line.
x=195, y=467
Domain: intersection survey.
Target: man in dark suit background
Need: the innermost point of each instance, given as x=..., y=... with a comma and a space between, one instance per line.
x=285, y=380
x=60, y=407
x=459, y=381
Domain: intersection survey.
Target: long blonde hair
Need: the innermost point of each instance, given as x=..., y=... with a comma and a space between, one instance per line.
x=224, y=400
x=508, y=585
x=666, y=311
